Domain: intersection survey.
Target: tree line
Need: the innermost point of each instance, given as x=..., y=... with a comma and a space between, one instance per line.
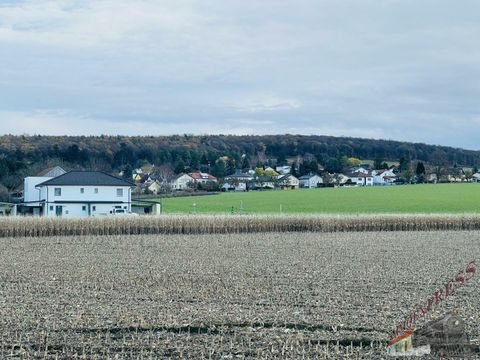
x=219, y=155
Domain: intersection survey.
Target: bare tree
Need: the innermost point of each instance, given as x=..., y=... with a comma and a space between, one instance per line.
x=439, y=164
x=468, y=175
x=165, y=176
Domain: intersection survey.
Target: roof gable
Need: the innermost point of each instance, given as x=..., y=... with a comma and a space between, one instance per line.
x=51, y=172
x=201, y=176
x=183, y=175
x=86, y=178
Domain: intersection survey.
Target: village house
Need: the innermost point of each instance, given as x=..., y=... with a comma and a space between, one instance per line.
x=182, y=182
x=233, y=186
x=476, y=177
x=154, y=187
x=28, y=196
x=288, y=182
x=264, y=182
x=310, y=181
x=202, y=178
x=361, y=179
x=82, y=193
x=383, y=177
x=237, y=181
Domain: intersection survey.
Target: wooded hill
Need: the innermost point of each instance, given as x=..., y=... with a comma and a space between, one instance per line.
x=219, y=154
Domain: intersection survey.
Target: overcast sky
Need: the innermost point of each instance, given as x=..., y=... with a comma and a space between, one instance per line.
x=391, y=69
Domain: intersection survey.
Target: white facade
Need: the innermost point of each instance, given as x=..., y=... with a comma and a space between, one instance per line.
x=154, y=187
x=30, y=192
x=289, y=181
x=182, y=182
x=240, y=186
x=310, y=181
x=362, y=180
x=78, y=201
x=386, y=177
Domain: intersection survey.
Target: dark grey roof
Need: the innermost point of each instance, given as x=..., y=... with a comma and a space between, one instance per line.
x=87, y=178
x=265, y=179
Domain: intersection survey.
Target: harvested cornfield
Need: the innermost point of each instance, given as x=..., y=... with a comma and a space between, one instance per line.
x=265, y=295
x=227, y=224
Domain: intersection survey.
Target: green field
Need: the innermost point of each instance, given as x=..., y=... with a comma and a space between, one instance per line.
x=439, y=198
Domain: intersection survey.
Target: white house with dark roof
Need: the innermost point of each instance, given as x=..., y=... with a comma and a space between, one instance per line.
x=310, y=181
x=27, y=191
x=84, y=193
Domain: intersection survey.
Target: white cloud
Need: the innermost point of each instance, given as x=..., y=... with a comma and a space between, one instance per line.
x=54, y=122
x=92, y=23
x=258, y=103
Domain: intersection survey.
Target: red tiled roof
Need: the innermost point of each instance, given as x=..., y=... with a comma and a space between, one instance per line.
x=202, y=176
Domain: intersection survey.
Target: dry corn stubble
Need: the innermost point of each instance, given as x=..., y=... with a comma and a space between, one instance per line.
x=227, y=224
x=266, y=295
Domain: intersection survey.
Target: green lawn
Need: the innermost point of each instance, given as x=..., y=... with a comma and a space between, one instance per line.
x=440, y=198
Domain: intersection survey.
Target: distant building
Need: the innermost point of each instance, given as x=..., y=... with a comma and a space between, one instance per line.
x=154, y=187
x=263, y=182
x=83, y=193
x=361, y=178
x=383, y=177
x=29, y=195
x=182, y=182
x=476, y=177
x=202, y=178
x=310, y=181
x=232, y=186
x=288, y=182
x=237, y=181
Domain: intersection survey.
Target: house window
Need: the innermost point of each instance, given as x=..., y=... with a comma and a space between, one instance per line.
x=95, y=190
x=119, y=192
x=94, y=208
x=51, y=207
x=58, y=191
x=84, y=208
x=82, y=190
